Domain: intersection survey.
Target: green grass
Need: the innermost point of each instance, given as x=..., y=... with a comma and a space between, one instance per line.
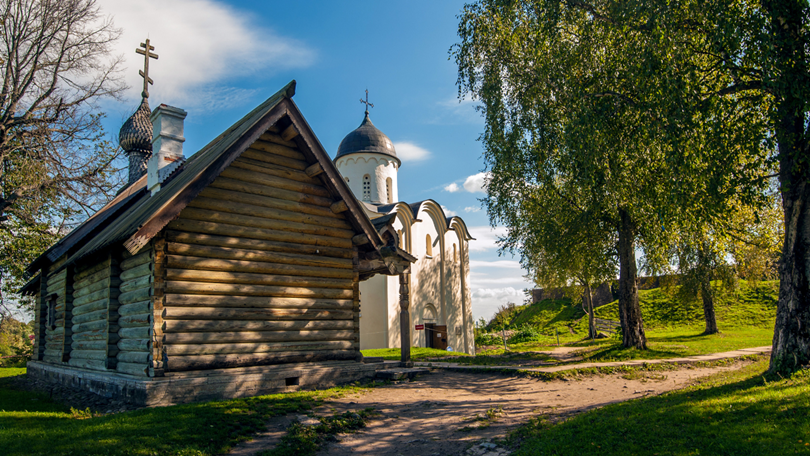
x=32, y=424
x=675, y=343
x=417, y=353
x=752, y=304
x=744, y=412
x=304, y=440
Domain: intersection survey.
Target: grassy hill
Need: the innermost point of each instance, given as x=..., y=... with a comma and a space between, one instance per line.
x=745, y=316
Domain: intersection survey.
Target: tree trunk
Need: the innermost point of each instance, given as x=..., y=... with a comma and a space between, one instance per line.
x=708, y=307
x=629, y=310
x=587, y=298
x=791, y=338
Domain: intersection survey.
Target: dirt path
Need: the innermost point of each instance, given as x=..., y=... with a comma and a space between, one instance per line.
x=435, y=414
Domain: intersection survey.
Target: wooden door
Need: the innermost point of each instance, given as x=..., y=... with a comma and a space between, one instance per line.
x=439, y=337
x=429, y=331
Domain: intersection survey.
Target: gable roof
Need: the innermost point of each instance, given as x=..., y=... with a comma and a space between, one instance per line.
x=148, y=215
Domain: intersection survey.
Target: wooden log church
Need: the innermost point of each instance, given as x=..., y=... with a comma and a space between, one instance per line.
x=235, y=272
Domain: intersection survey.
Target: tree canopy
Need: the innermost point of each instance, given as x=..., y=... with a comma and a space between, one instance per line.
x=57, y=166
x=664, y=115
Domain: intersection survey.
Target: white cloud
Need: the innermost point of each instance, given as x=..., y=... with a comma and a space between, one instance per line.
x=494, y=264
x=472, y=209
x=498, y=293
x=410, y=152
x=452, y=188
x=448, y=212
x=485, y=237
x=202, y=44
x=476, y=183
x=455, y=111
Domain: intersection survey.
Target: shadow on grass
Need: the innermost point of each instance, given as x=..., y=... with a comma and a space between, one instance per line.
x=730, y=414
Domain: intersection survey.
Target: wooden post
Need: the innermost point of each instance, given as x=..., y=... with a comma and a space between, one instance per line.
x=404, y=321
x=157, y=367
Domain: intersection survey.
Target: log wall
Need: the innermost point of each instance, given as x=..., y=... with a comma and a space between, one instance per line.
x=258, y=269
x=134, y=335
x=95, y=313
x=55, y=286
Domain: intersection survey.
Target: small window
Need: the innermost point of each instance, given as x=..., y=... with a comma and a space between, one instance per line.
x=51, y=315
x=428, y=246
x=388, y=191
x=455, y=254
x=366, y=188
x=347, y=179
x=399, y=237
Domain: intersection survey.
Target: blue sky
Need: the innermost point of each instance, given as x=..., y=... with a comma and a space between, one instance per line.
x=218, y=60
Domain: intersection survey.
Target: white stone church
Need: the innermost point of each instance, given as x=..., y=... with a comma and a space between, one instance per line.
x=440, y=278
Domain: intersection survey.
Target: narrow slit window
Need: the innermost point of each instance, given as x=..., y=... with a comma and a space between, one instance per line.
x=388, y=191
x=428, y=246
x=366, y=188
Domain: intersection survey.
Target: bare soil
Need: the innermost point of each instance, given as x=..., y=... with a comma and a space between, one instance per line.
x=444, y=412
x=458, y=413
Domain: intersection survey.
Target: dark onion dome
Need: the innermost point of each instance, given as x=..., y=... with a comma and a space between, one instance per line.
x=367, y=139
x=135, y=138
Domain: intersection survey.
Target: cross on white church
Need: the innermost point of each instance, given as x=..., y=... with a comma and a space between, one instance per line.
x=439, y=280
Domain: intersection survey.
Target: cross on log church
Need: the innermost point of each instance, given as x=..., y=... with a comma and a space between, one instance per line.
x=256, y=265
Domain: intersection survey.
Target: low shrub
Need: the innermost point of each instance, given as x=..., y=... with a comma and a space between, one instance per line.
x=488, y=339
x=526, y=333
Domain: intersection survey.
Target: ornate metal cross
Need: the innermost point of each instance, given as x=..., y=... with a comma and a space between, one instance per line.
x=366, y=102
x=145, y=52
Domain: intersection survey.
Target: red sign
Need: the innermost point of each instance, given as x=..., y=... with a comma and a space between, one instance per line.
x=420, y=327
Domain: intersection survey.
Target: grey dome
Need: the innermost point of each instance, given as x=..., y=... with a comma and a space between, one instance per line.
x=367, y=139
x=135, y=137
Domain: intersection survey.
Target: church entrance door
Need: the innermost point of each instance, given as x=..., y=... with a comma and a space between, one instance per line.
x=438, y=337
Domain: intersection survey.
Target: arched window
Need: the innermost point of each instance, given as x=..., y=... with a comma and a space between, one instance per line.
x=455, y=255
x=366, y=188
x=388, y=191
x=401, y=242
x=428, y=246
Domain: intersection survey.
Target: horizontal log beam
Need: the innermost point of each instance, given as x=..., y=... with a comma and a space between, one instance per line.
x=258, y=206
x=274, y=170
x=276, y=139
x=286, y=347
x=247, y=325
x=314, y=170
x=135, y=333
x=107, y=293
x=214, y=210
x=217, y=313
x=134, y=344
x=360, y=239
x=138, y=369
x=178, y=287
x=241, y=251
x=134, y=284
x=108, y=282
x=88, y=354
x=88, y=269
x=289, y=133
x=134, y=357
x=278, y=147
x=256, y=336
x=339, y=206
x=137, y=272
x=256, y=153
x=94, y=364
x=138, y=295
x=253, y=301
x=135, y=308
x=135, y=321
x=97, y=335
x=137, y=260
x=258, y=267
x=257, y=188
x=185, y=363
x=93, y=316
x=253, y=194
x=103, y=303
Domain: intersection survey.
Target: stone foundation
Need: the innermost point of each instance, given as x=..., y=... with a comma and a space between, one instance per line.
x=185, y=387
